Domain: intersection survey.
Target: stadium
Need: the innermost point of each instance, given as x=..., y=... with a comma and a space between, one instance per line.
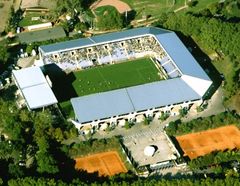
x=128, y=75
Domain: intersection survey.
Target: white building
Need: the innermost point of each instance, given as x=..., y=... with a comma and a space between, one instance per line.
x=34, y=88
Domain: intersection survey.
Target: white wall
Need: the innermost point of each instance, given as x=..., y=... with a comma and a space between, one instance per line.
x=200, y=86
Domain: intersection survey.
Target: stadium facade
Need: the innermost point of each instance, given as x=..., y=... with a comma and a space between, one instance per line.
x=185, y=85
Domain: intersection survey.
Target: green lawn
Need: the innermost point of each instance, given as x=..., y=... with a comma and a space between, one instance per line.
x=153, y=7
x=101, y=79
x=104, y=78
x=27, y=20
x=156, y=7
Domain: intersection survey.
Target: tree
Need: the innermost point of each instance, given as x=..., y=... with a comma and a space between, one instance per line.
x=46, y=163
x=29, y=48
x=14, y=18
x=4, y=55
x=146, y=121
x=232, y=173
x=15, y=170
x=163, y=116
x=109, y=18
x=172, y=128
x=192, y=3
x=127, y=125
x=81, y=26
x=72, y=6
x=183, y=112
x=126, y=179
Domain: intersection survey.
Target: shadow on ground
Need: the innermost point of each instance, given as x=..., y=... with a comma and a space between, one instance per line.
x=61, y=82
x=205, y=62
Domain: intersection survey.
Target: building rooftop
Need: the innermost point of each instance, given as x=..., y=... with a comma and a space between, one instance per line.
x=136, y=144
x=102, y=105
x=41, y=35
x=181, y=56
x=34, y=87
x=28, y=77
x=136, y=98
x=104, y=38
x=161, y=93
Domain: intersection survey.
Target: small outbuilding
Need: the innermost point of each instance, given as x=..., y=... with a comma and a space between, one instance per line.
x=149, y=150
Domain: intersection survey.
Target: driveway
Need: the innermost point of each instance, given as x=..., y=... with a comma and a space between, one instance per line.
x=215, y=106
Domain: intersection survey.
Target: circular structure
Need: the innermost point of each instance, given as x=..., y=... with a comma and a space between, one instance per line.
x=149, y=150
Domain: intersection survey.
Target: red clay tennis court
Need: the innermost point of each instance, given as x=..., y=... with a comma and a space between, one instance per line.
x=106, y=163
x=201, y=143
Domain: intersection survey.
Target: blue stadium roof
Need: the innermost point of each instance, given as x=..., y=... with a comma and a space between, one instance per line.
x=102, y=105
x=109, y=37
x=136, y=98
x=161, y=93
x=66, y=45
x=181, y=56
x=128, y=34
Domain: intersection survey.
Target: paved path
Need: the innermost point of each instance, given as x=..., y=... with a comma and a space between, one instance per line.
x=181, y=8
x=215, y=106
x=139, y=128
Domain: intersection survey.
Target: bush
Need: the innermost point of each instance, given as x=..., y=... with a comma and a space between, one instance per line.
x=147, y=120
x=81, y=26
x=192, y=3
x=163, y=116
x=172, y=127
x=1, y=5
x=183, y=112
x=128, y=125
x=108, y=18
x=199, y=109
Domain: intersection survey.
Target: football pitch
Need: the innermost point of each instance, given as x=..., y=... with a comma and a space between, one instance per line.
x=105, y=78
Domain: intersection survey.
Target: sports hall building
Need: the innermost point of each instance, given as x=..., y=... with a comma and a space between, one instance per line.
x=186, y=83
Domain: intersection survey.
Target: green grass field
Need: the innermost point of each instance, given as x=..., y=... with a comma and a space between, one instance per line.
x=153, y=7
x=105, y=78
x=101, y=79
x=4, y=13
x=156, y=7
x=27, y=20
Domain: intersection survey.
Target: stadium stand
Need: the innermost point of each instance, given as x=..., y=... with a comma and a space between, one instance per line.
x=186, y=84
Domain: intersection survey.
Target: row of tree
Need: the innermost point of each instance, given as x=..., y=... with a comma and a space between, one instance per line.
x=225, y=118
x=161, y=182
x=4, y=55
x=72, y=6
x=93, y=146
x=214, y=34
x=214, y=159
